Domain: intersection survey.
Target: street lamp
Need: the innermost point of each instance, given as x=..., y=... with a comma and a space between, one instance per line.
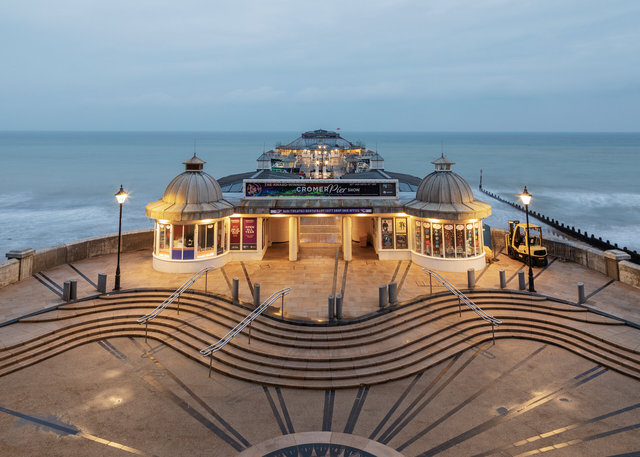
x=526, y=199
x=121, y=197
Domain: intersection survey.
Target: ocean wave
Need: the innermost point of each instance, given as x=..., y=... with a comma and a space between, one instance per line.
x=7, y=200
x=593, y=199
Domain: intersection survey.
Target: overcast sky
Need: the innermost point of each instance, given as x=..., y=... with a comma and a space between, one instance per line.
x=429, y=65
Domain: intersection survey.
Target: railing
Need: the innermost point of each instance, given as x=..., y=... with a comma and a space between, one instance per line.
x=210, y=350
x=173, y=297
x=464, y=299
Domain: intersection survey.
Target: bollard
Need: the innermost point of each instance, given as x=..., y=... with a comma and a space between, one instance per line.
x=471, y=278
x=256, y=295
x=234, y=290
x=521, y=280
x=581, y=298
x=102, y=283
x=383, y=296
x=393, y=293
x=66, y=291
x=503, y=279
x=331, y=303
x=339, y=306
x=73, y=292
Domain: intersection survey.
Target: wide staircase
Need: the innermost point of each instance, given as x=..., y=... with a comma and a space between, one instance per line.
x=392, y=345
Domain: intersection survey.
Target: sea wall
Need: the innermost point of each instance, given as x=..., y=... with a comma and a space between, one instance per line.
x=9, y=272
x=592, y=258
x=44, y=259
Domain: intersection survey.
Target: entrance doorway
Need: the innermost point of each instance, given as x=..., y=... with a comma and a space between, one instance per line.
x=320, y=231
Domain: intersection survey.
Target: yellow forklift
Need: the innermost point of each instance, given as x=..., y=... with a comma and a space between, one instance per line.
x=517, y=247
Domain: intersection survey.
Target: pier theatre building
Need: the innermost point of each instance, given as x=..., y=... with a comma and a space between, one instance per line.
x=319, y=190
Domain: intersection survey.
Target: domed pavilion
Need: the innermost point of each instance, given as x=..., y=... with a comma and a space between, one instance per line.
x=447, y=221
x=191, y=219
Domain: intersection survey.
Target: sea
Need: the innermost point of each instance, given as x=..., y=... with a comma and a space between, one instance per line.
x=57, y=187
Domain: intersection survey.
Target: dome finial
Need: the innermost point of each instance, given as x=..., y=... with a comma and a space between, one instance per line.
x=442, y=163
x=194, y=163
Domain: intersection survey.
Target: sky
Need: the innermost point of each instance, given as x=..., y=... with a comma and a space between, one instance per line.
x=375, y=65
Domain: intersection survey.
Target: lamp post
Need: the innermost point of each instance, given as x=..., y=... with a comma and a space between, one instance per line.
x=526, y=199
x=121, y=197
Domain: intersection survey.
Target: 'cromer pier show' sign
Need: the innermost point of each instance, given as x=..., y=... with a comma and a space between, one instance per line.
x=320, y=188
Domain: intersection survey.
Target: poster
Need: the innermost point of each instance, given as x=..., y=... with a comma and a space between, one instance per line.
x=387, y=233
x=401, y=225
x=249, y=234
x=401, y=232
x=234, y=238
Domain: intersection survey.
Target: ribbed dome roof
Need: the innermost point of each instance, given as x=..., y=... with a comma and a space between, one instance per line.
x=192, y=187
x=191, y=195
x=444, y=194
x=444, y=186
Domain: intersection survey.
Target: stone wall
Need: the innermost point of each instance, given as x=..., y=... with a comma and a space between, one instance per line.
x=629, y=273
x=9, y=272
x=586, y=256
x=48, y=258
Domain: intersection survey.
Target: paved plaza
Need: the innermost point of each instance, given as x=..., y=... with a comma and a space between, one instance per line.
x=122, y=395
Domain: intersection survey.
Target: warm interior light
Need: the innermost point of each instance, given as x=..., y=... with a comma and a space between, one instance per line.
x=235, y=215
x=163, y=221
x=434, y=220
x=206, y=221
x=525, y=197
x=121, y=196
x=402, y=214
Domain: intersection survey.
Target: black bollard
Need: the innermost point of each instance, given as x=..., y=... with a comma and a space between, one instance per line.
x=393, y=293
x=331, y=306
x=256, y=295
x=102, y=283
x=383, y=296
x=338, y=306
x=234, y=290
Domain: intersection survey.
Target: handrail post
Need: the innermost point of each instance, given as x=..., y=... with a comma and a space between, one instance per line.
x=146, y=325
x=178, y=305
x=249, y=332
x=459, y=307
x=282, y=308
x=430, y=285
x=206, y=280
x=210, y=363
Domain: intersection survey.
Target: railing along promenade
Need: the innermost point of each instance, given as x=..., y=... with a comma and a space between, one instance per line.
x=210, y=350
x=464, y=299
x=173, y=297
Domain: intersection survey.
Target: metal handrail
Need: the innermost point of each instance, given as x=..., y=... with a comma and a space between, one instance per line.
x=462, y=297
x=210, y=350
x=174, y=296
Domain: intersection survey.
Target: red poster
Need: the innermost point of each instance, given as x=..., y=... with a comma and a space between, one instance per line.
x=249, y=233
x=234, y=238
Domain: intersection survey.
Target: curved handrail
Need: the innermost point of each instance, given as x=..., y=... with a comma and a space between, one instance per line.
x=175, y=295
x=454, y=290
x=210, y=350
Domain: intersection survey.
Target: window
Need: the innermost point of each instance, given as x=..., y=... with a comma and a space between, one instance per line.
x=221, y=241
x=164, y=239
x=206, y=239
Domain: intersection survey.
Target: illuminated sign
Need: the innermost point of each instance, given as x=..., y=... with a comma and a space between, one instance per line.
x=320, y=188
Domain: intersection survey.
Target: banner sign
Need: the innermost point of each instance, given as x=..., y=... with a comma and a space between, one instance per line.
x=320, y=188
x=321, y=211
x=234, y=238
x=249, y=233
